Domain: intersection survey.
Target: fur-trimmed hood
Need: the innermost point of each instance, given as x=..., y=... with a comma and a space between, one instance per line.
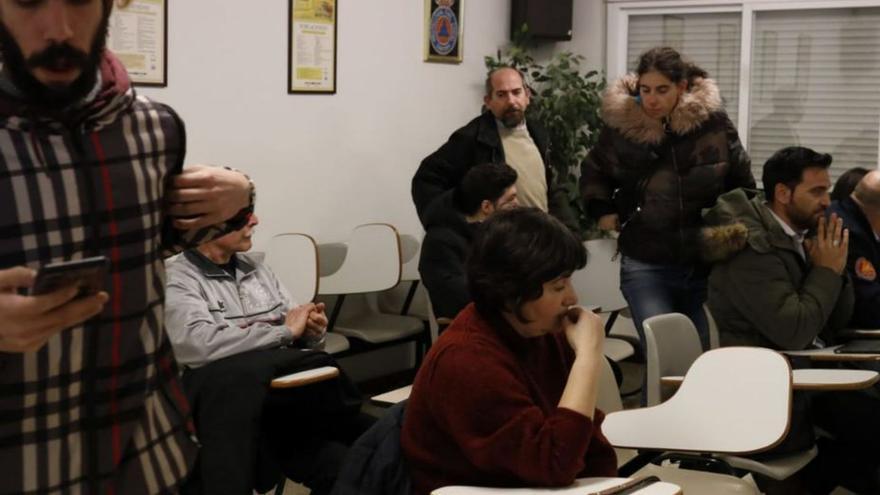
x=622, y=111
x=739, y=218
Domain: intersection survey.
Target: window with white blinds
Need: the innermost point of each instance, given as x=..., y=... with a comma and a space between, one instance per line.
x=816, y=82
x=813, y=68
x=712, y=41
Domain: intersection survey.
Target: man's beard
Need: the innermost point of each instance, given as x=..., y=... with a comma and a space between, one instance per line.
x=512, y=118
x=801, y=220
x=55, y=55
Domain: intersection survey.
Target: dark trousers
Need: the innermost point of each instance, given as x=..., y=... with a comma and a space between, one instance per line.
x=849, y=426
x=250, y=433
x=850, y=455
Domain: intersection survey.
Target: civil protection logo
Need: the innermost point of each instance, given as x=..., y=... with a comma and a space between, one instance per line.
x=444, y=28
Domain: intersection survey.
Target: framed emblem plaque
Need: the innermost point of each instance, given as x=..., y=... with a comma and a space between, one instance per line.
x=443, y=31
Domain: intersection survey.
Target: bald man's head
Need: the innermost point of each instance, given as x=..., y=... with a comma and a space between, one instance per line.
x=867, y=191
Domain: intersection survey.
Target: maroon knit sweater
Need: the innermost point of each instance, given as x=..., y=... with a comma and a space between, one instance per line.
x=483, y=411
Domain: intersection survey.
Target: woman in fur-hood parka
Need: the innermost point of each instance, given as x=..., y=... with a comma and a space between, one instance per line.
x=667, y=151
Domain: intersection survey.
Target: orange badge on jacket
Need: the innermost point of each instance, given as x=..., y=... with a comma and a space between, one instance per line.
x=865, y=270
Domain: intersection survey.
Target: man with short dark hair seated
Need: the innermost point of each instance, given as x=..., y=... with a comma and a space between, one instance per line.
x=784, y=286
x=234, y=328
x=450, y=225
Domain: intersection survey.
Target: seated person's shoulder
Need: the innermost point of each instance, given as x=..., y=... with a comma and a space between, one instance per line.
x=460, y=353
x=181, y=272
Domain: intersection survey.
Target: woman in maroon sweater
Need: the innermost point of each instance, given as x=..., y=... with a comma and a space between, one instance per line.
x=507, y=395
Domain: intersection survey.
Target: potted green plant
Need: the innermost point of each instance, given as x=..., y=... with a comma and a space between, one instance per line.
x=566, y=103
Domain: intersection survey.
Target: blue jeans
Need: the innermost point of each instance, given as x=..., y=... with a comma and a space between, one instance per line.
x=652, y=290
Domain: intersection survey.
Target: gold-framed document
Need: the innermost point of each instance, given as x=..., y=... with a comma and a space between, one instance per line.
x=138, y=35
x=311, y=46
x=444, y=31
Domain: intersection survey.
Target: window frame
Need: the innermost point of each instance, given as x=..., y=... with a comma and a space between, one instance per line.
x=619, y=12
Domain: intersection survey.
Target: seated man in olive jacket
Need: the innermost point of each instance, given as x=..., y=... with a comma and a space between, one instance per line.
x=784, y=286
x=500, y=135
x=783, y=289
x=450, y=227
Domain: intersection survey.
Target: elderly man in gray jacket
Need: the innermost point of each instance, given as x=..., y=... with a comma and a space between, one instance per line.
x=234, y=327
x=221, y=302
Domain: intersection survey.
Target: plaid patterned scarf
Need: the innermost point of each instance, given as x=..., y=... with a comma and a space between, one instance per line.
x=99, y=409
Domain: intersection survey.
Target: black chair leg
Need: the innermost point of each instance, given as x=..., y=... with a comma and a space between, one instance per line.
x=279, y=490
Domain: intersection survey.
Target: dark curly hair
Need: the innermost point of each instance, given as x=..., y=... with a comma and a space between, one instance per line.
x=514, y=254
x=670, y=63
x=787, y=166
x=486, y=181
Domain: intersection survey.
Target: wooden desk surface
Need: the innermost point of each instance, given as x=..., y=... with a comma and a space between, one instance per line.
x=306, y=377
x=814, y=379
x=394, y=396
x=583, y=486
x=859, y=333
x=828, y=354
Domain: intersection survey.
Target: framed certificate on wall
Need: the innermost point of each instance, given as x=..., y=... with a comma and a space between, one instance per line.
x=443, y=31
x=311, y=46
x=137, y=34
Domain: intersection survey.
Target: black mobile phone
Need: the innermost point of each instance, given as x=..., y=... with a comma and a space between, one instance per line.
x=87, y=273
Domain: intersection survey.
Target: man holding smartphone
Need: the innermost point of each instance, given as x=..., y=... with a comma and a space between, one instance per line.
x=87, y=168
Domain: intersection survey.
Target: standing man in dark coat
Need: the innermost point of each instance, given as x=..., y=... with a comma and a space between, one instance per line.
x=861, y=215
x=499, y=135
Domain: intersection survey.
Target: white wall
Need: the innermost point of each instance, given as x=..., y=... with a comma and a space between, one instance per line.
x=588, y=35
x=325, y=163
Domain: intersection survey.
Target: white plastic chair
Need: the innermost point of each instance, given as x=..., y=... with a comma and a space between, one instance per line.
x=672, y=348
x=690, y=481
x=672, y=344
x=409, y=296
x=714, y=337
x=734, y=400
x=598, y=284
x=293, y=258
x=370, y=262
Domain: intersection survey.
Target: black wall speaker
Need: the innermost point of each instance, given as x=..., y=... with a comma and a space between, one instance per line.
x=547, y=19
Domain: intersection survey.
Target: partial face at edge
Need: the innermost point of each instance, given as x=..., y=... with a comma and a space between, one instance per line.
x=52, y=47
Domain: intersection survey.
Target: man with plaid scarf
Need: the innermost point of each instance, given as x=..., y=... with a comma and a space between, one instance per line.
x=89, y=395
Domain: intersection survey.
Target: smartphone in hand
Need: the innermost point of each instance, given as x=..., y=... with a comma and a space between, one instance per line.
x=87, y=274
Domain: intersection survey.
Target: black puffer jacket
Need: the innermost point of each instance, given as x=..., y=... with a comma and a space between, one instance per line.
x=658, y=177
x=475, y=143
x=445, y=249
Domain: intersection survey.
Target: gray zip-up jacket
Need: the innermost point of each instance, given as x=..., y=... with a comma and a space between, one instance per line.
x=210, y=315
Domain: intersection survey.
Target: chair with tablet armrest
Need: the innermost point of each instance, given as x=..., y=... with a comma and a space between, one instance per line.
x=716, y=416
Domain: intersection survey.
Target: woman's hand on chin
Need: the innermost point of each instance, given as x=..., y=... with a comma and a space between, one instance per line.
x=584, y=331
